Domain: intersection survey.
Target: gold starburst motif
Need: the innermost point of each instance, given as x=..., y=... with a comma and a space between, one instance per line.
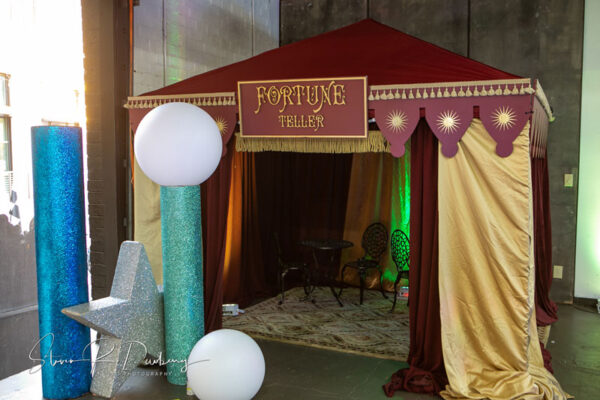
x=221, y=124
x=503, y=118
x=448, y=121
x=396, y=121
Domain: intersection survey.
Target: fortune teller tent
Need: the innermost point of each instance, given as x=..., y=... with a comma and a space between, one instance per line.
x=479, y=226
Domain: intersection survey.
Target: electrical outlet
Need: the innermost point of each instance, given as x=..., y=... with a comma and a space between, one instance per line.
x=568, y=180
x=558, y=272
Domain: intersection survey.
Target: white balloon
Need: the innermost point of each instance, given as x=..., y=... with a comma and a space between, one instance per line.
x=178, y=144
x=226, y=365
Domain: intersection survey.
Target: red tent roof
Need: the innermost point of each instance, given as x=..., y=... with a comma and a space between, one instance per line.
x=385, y=55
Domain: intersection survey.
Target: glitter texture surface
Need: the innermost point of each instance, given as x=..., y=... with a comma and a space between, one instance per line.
x=181, y=228
x=130, y=321
x=60, y=258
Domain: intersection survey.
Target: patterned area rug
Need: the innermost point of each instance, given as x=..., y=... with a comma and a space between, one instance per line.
x=369, y=330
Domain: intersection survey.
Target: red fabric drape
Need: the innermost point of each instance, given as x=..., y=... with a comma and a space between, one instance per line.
x=244, y=278
x=544, y=307
x=215, y=195
x=426, y=373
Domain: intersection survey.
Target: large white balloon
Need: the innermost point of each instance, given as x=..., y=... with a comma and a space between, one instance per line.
x=178, y=144
x=226, y=365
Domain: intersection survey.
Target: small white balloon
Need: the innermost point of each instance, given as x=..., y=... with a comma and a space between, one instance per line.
x=178, y=144
x=226, y=365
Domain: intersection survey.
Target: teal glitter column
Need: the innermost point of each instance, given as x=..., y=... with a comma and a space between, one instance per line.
x=181, y=227
x=57, y=158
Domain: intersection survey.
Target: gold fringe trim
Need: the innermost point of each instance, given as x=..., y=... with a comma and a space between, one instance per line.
x=373, y=143
x=498, y=87
x=198, y=99
x=541, y=96
x=539, y=130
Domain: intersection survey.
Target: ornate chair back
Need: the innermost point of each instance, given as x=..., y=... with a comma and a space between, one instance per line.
x=374, y=241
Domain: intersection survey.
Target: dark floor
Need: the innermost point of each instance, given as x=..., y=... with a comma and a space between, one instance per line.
x=297, y=372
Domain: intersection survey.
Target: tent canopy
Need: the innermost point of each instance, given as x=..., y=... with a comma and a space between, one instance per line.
x=384, y=54
x=414, y=74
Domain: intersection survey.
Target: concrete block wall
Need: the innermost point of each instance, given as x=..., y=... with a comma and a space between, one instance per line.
x=176, y=40
x=536, y=38
x=106, y=48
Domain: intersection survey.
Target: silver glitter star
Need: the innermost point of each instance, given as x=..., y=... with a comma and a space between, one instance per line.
x=130, y=320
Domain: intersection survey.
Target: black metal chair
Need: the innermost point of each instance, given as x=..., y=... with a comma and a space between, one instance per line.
x=284, y=267
x=401, y=255
x=374, y=243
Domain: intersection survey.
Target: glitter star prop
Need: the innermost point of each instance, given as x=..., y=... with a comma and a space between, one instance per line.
x=130, y=320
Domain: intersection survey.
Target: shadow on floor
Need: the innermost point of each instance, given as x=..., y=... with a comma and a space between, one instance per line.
x=304, y=373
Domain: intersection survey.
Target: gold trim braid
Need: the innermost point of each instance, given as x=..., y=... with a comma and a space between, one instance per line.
x=198, y=99
x=374, y=143
x=502, y=87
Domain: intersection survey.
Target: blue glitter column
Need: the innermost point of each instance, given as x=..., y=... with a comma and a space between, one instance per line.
x=61, y=259
x=181, y=227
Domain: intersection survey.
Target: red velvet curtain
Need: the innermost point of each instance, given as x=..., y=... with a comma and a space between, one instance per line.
x=426, y=373
x=544, y=307
x=215, y=195
x=244, y=275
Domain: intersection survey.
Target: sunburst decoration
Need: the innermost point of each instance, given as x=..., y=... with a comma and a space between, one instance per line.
x=504, y=118
x=448, y=121
x=396, y=121
x=221, y=124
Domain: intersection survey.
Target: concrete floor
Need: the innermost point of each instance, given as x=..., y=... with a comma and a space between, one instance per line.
x=297, y=372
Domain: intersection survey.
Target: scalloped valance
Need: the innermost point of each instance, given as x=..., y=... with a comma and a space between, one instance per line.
x=504, y=107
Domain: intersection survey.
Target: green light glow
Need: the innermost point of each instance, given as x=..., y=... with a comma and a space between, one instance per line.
x=587, y=261
x=175, y=46
x=400, y=206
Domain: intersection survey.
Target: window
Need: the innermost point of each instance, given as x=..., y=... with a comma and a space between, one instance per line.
x=5, y=156
x=4, y=95
x=6, y=175
x=5, y=145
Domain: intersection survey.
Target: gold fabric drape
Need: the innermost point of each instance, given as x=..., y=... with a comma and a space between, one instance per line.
x=486, y=273
x=146, y=224
x=379, y=192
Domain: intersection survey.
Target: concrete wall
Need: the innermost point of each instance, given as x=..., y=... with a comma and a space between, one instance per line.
x=536, y=38
x=18, y=299
x=587, y=279
x=178, y=39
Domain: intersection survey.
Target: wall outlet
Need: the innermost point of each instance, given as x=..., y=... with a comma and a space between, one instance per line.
x=558, y=272
x=568, y=180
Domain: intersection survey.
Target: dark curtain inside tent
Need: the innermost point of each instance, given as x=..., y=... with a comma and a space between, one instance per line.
x=300, y=196
x=426, y=373
x=297, y=195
